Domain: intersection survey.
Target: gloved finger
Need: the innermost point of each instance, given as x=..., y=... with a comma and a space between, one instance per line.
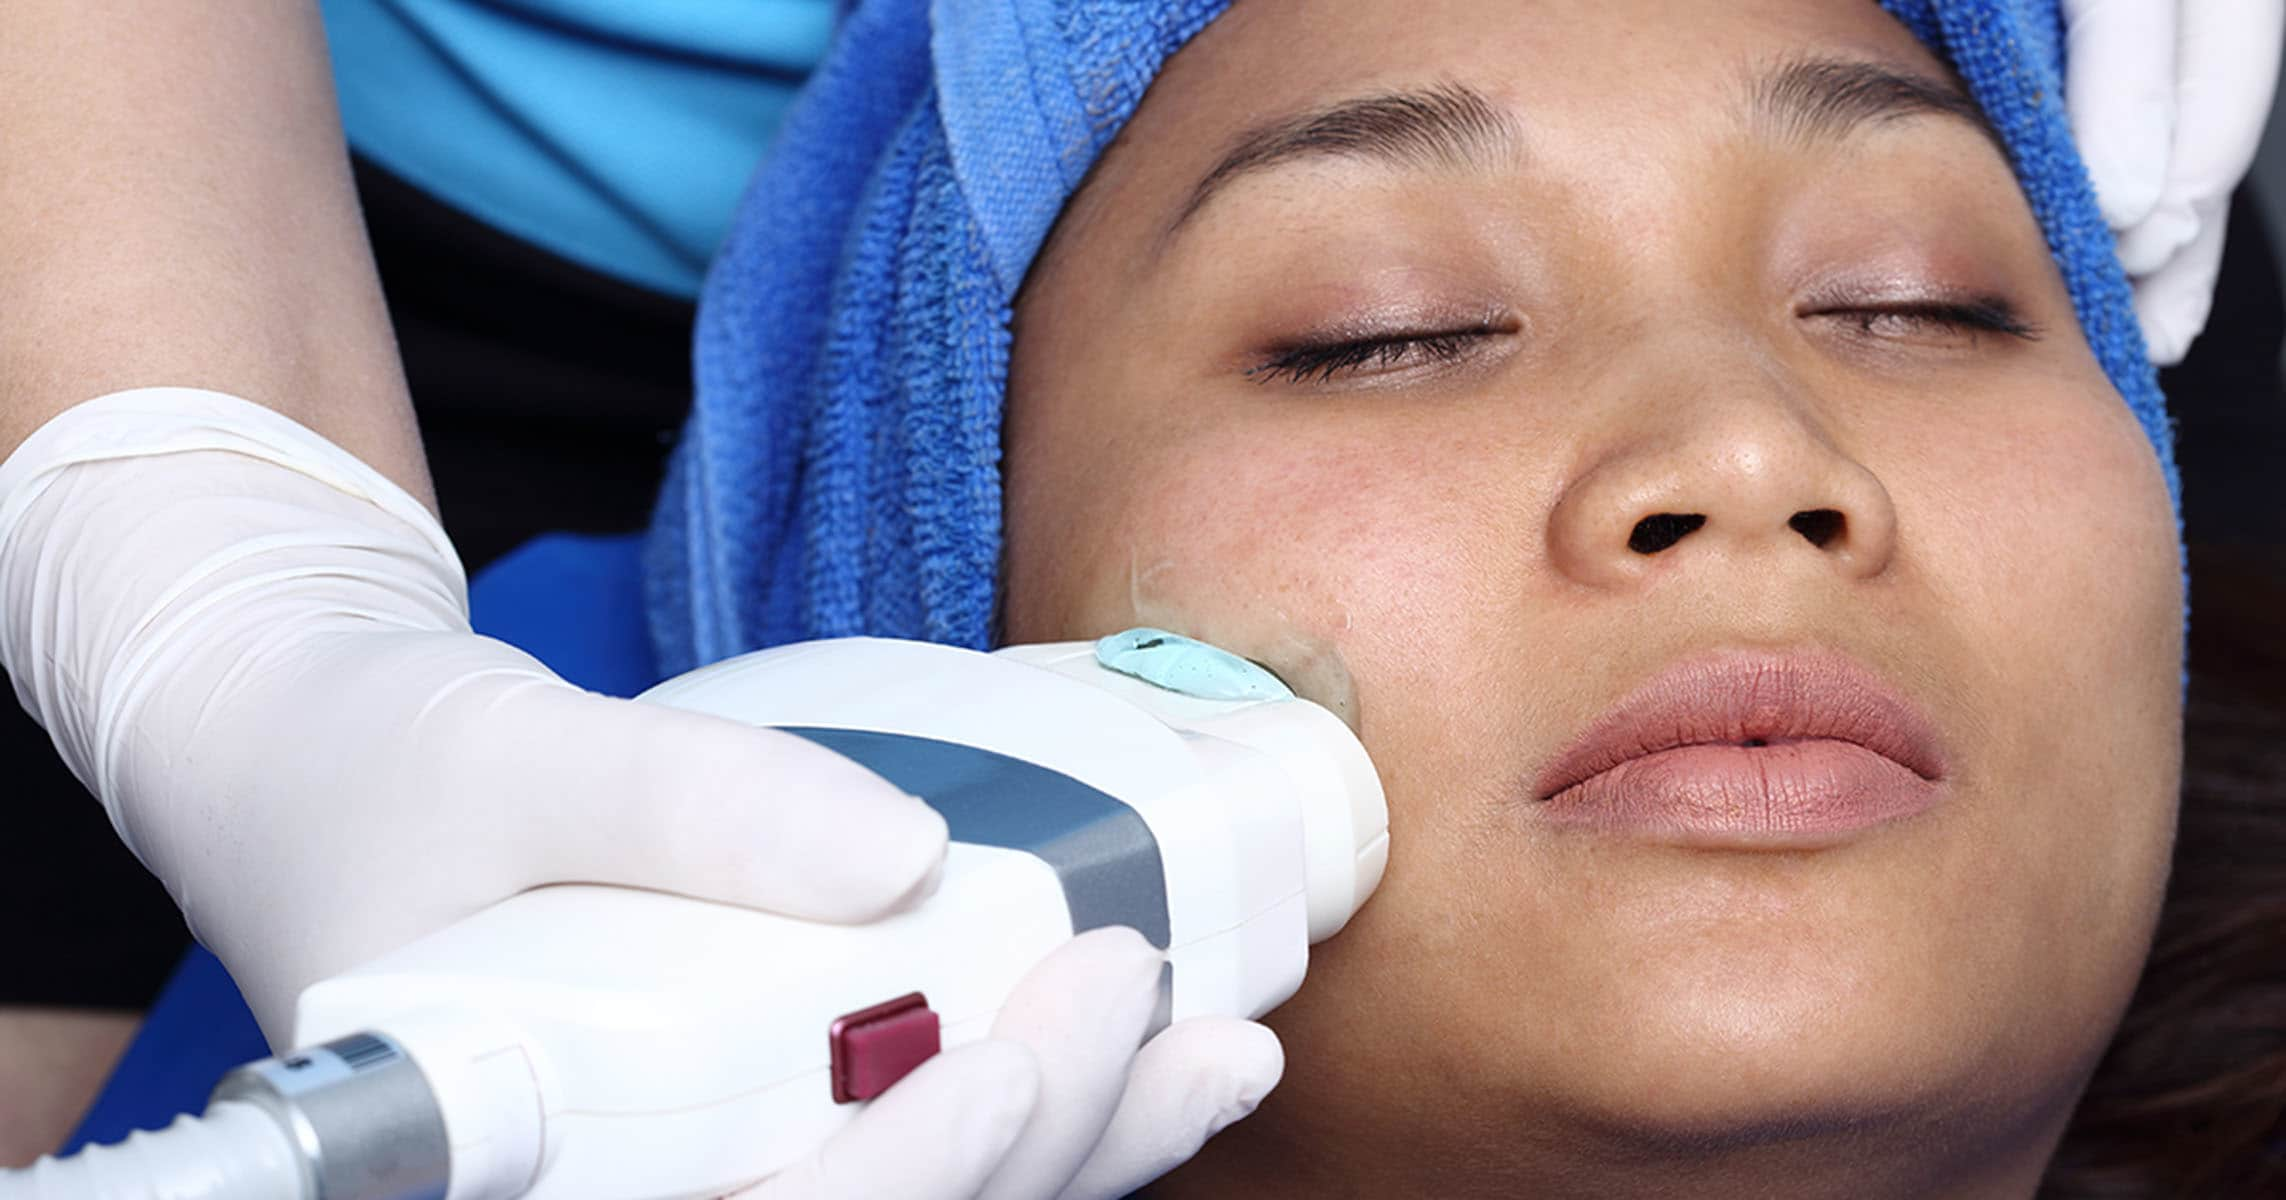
x=936, y=1135
x=2227, y=58
x=2228, y=54
x=2120, y=92
x=1187, y=1085
x=1083, y=1011
x=2153, y=244
x=642, y=795
x=2172, y=304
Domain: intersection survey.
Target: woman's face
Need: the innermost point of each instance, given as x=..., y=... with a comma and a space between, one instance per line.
x=1387, y=390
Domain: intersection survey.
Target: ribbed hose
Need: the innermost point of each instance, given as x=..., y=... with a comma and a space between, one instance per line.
x=235, y=1152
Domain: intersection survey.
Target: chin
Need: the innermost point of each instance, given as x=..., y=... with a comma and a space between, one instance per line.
x=1732, y=1049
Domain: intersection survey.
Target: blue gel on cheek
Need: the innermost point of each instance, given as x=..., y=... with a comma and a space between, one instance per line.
x=1193, y=668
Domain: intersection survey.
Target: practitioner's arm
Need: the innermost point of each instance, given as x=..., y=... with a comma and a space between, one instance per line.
x=176, y=208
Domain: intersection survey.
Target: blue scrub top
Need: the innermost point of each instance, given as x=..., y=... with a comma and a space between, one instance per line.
x=618, y=134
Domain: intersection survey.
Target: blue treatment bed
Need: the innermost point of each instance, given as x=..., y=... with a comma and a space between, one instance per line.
x=572, y=601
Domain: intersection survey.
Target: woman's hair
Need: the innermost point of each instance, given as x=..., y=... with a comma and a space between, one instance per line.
x=2190, y=1100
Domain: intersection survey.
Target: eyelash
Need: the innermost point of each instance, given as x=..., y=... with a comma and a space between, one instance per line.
x=1982, y=314
x=1315, y=364
x=1330, y=360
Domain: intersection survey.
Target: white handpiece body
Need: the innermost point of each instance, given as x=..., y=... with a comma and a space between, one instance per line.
x=678, y=1047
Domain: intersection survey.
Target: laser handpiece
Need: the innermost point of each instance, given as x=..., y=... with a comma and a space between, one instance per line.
x=582, y=1041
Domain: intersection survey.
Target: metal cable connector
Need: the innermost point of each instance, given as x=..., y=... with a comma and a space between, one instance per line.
x=353, y=1119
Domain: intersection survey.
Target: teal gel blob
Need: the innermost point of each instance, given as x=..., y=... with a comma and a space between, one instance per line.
x=1180, y=664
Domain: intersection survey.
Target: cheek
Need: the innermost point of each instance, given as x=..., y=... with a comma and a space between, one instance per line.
x=1381, y=571
x=2045, y=528
x=1375, y=563
x=1278, y=539
x=2045, y=524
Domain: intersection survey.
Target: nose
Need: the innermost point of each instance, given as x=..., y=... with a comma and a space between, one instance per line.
x=1733, y=473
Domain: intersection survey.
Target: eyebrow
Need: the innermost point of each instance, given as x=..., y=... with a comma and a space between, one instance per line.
x=1449, y=125
x=1453, y=125
x=1828, y=99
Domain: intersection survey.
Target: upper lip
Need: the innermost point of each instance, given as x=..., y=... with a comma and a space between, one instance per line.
x=1732, y=699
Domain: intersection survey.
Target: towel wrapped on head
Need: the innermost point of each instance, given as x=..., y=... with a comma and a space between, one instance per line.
x=839, y=474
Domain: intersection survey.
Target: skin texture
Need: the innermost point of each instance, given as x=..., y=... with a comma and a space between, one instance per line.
x=57, y=1059
x=1681, y=302
x=176, y=208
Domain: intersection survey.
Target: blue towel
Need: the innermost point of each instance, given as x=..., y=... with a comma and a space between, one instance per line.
x=840, y=471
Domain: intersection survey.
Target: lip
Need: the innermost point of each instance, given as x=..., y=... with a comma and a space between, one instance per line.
x=1751, y=750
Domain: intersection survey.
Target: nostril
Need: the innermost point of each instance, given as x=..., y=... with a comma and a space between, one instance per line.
x=1661, y=530
x=1820, y=525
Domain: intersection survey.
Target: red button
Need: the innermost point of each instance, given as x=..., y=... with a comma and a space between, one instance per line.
x=877, y=1046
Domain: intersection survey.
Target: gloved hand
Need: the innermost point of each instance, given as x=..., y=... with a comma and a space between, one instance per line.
x=1057, y=1102
x=255, y=650
x=2167, y=100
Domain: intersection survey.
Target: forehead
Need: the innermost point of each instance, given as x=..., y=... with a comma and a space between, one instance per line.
x=1590, y=79
x=1531, y=52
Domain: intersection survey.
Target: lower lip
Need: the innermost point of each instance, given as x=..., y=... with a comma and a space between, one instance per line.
x=1785, y=795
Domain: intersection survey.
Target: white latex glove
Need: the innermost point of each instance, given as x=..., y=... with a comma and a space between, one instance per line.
x=255, y=650
x=2167, y=100
x=1057, y=1102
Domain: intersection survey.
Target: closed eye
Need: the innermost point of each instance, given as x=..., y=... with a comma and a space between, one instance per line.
x=1989, y=314
x=1318, y=362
